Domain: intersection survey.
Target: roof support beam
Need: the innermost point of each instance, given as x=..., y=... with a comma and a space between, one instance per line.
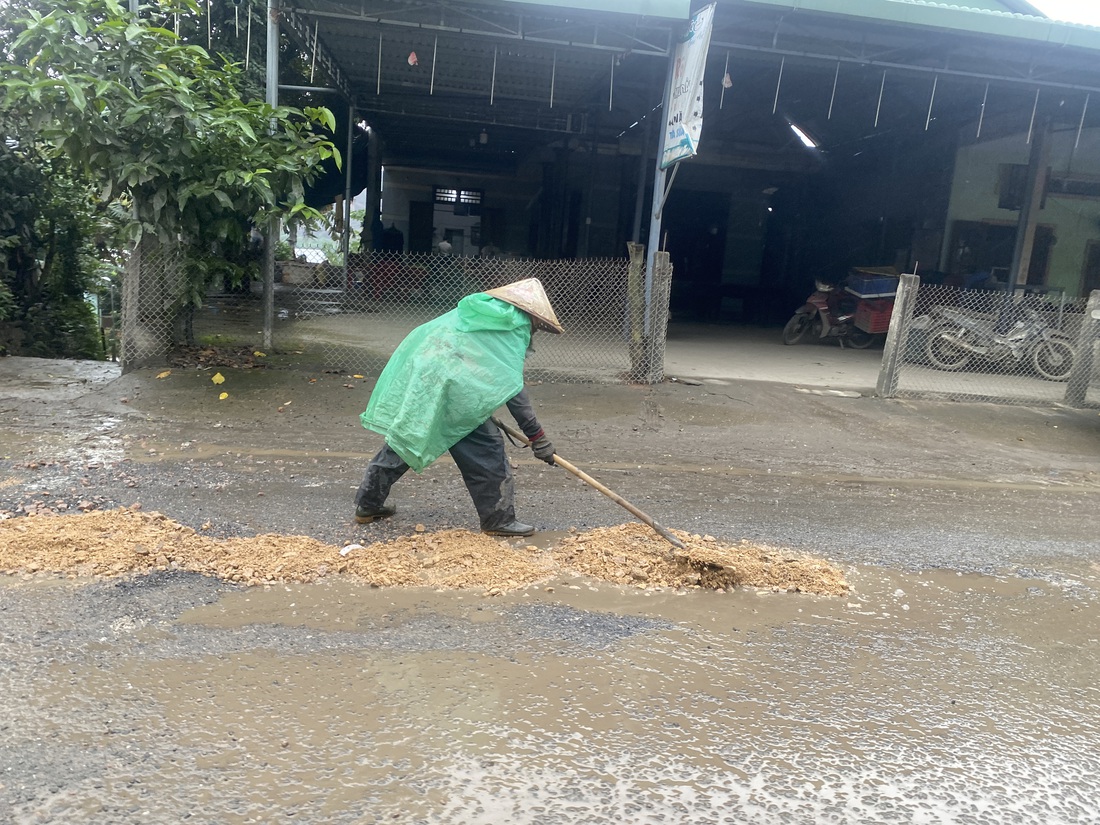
x=942, y=71
x=299, y=29
x=600, y=38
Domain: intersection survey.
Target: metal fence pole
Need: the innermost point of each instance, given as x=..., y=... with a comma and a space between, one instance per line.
x=657, y=202
x=274, y=12
x=345, y=236
x=896, y=335
x=1077, y=386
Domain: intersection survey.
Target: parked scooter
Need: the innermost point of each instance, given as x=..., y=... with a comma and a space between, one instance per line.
x=825, y=315
x=956, y=339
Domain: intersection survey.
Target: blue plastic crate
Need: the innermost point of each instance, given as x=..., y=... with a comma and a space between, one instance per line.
x=872, y=285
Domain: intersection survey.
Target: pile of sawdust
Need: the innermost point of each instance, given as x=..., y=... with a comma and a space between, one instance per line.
x=459, y=558
x=123, y=541
x=634, y=554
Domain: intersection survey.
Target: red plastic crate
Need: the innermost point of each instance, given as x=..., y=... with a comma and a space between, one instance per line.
x=873, y=314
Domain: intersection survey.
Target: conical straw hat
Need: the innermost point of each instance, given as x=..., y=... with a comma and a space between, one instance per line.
x=529, y=296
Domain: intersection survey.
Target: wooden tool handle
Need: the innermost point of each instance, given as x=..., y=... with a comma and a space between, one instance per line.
x=611, y=494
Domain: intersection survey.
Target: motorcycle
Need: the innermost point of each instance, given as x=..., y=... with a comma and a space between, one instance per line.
x=955, y=339
x=824, y=315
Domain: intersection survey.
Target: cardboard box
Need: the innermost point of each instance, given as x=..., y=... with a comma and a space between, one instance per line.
x=299, y=273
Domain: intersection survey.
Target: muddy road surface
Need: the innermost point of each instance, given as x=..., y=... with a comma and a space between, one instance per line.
x=957, y=681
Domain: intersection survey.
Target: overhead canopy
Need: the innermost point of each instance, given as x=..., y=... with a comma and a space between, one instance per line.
x=674, y=9
x=431, y=75
x=434, y=76
x=916, y=36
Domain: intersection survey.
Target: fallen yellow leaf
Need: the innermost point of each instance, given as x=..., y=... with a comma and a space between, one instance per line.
x=218, y=378
x=164, y=374
x=223, y=396
x=259, y=354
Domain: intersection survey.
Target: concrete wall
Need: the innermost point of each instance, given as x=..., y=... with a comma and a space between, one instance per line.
x=510, y=194
x=1076, y=221
x=556, y=203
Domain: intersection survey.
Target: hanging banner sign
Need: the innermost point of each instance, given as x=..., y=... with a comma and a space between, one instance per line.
x=684, y=108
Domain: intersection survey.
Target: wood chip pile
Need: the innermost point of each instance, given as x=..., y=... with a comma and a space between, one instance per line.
x=126, y=541
x=634, y=554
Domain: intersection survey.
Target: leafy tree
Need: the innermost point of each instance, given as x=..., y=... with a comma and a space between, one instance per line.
x=21, y=186
x=155, y=123
x=53, y=242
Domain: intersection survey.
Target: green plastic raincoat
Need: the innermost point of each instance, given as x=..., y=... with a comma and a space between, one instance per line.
x=448, y=376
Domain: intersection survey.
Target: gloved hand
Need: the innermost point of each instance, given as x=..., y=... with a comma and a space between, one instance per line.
x=543, y=449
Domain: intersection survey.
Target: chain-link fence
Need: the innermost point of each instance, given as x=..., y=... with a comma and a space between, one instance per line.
x=993, y=346
x=152, y=290
x=355, y=317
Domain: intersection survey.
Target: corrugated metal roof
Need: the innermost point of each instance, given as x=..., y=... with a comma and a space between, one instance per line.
x=431, y=74
x=960, y=18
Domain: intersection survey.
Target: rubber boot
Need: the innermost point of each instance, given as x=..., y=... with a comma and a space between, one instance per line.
x=370, y=500
x=367, y=514
x=515, y=528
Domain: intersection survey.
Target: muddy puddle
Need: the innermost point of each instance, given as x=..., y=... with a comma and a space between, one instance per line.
x=933, y=697
x=916, y=697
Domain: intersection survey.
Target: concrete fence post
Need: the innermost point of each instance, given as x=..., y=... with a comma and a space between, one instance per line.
x=647, y=347
x=896, y=336
x=152, y=286
x=1077, y=386
x=635, y=296
x=658, y=320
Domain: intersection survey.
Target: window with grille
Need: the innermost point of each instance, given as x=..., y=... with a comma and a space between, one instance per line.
x=464, y=201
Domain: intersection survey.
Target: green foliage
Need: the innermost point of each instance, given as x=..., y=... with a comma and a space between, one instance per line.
x=61, y=329
x=157, y=122
x=50, y=231
x=22, y=185
x=232, y=270
x=7, y=302
x=120, y=122
x=283, y=250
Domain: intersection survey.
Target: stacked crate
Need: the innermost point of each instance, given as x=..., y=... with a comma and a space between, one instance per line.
x=876, y=293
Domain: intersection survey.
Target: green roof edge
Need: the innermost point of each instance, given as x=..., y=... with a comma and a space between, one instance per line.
x=952, y=17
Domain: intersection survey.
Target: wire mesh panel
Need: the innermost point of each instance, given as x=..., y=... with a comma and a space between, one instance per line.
x=150, y=297
x=997, y=346
x=358, y=317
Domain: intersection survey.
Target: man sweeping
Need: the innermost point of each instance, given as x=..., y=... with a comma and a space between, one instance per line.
x=438, y=392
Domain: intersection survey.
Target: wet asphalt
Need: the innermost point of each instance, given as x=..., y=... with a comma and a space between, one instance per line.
x=958, y=681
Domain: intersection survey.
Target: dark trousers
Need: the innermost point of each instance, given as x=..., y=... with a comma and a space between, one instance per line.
x=484, y=466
